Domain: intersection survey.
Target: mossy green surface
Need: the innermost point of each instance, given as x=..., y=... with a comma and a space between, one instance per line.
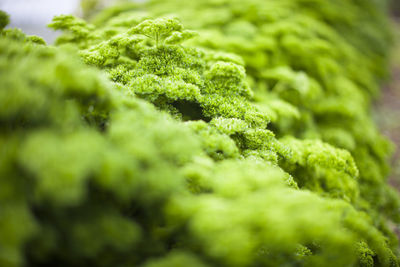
x=133, y=143
x=314, y=73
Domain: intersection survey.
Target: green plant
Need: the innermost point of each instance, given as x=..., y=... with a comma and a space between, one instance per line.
x=156, y=153
x=314, y=73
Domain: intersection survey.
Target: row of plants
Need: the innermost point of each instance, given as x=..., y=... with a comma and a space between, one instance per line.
x=203, y=133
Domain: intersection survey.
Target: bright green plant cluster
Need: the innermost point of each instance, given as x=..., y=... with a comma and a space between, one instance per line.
x=325, y=62
x=314, y=73
x=123, y=146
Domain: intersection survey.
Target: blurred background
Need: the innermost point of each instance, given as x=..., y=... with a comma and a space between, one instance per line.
x=32, y=16
x=388, y=108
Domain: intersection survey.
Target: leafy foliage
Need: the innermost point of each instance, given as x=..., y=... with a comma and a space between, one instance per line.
x=160, y=154
x=318, y=62
x=314, y=74
x=4, y=19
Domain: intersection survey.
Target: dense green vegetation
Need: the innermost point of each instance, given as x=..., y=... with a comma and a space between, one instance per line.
x=248, y=142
